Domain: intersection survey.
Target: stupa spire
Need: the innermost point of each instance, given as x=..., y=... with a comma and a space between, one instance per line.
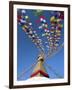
x=39, y=70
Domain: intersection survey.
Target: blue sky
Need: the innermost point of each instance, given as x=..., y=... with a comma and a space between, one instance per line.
x=27, y=52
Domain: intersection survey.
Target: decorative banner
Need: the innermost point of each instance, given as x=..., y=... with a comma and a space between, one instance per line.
x=26, y=25
x=53, y=33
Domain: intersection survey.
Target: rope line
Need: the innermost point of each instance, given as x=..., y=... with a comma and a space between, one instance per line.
x=54, y=71
x=53, y=53
x=25, y=71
